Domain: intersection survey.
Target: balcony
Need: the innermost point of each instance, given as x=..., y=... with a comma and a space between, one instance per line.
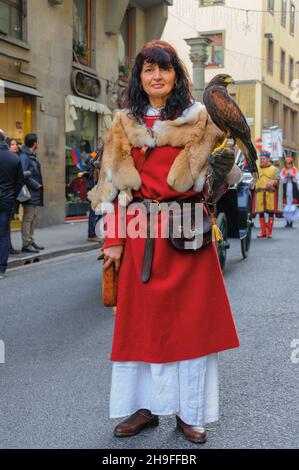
x=156, y=12
x=146, y=4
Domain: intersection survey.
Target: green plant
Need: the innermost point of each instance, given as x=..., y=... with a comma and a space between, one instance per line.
x=80, y=49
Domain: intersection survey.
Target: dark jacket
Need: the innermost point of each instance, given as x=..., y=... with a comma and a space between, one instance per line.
x=34, y=181
x=92, y=167
x=11, y=177
x=295, y=193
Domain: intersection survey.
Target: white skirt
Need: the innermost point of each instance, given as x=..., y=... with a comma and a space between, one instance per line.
x=189, y=389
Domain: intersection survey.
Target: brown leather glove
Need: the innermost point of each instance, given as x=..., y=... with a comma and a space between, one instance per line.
x=221, y=164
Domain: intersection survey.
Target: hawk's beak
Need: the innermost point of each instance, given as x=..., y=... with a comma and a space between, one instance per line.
x=230, y=81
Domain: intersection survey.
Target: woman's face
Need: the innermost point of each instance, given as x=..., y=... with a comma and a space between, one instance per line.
x=156, y=82
x=13, y=146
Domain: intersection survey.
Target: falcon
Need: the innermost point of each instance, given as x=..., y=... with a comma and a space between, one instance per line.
x=228, y=117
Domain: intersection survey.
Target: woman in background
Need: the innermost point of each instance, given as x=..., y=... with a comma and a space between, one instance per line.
x=290, y=181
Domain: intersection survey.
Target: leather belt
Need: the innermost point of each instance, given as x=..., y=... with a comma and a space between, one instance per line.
x=149, y=246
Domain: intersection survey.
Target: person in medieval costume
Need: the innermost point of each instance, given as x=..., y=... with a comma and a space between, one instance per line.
x=170, y=326
x=265, y=194
x=290, y=180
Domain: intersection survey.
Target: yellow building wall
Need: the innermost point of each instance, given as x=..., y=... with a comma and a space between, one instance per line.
x=282, y=40
x=11, y=117
x=244, y=95
x=272, y=85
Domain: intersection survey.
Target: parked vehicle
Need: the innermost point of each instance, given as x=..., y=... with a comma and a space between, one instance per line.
x=235, y=213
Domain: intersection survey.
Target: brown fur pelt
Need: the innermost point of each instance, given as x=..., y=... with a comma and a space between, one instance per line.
x=194, y=131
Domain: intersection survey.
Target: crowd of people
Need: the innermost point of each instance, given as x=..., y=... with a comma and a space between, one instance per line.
x=20, y=178
x=266, y=189
x=21, y=182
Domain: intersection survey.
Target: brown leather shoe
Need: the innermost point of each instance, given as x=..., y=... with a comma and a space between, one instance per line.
x=194, y=434
x=135, y=423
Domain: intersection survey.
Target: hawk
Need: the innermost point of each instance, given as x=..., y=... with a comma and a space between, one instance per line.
x=228, y=117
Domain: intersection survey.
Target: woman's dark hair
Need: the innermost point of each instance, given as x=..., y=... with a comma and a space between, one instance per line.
x=85, y=146
x=165, y=56
x=9, y=140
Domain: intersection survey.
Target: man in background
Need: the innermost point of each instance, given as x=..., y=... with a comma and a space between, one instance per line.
x=34, y=182
x=265, y=194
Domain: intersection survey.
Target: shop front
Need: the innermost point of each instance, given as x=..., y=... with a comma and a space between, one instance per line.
x=16, y=106
x=16, y=109
x=89, y=121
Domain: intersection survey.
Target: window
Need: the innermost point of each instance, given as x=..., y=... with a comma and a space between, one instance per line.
x=294, y=120
x=125, y=43
x=11, y=18
x=76, y=187
x=270, y=61
x=273, y=112
x=81, y=31
x=286, y=126
x=271, y=6
x=206, y=3
x=291, y=71
x=215, y=50
x=292, y=19
x=283, y=13
x=282, y=65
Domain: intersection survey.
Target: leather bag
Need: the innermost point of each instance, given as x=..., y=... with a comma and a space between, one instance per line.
x=196, y=237
x=109, y=286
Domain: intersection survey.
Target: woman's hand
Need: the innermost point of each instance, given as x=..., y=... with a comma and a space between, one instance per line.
x=113, y=254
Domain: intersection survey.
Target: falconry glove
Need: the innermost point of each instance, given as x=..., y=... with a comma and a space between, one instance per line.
x=221, y=163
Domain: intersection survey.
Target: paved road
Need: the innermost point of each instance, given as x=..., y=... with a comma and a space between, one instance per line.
x=54, y=386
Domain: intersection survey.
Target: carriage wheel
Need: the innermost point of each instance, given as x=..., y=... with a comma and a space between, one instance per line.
x=245, y=242
x=223, y=245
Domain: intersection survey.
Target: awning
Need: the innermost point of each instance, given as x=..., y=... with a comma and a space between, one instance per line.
x=72, y=102
x=88, y=105
x=27, y=90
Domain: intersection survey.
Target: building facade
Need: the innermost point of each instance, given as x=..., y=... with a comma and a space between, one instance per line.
x=63, y=68
x=255, y=41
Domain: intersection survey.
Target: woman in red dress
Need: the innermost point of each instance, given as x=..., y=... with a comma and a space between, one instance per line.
x=169, y=330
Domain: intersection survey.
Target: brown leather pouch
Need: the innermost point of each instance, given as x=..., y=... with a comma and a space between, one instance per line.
x=197, y=236
x=109, y=286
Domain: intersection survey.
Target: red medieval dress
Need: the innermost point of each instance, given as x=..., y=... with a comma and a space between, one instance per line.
x=169, y=330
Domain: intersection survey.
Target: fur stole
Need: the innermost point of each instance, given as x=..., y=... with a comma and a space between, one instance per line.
x=194, y=131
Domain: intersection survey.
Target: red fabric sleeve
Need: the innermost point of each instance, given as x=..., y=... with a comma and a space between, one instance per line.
x=114, y=228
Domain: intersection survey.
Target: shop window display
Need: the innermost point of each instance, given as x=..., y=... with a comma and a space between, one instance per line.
x=77, y=204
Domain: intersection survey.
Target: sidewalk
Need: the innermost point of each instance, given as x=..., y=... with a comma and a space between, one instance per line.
x=58, y=240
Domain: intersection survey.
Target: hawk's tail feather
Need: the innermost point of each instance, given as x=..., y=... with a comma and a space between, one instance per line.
x=251, y=157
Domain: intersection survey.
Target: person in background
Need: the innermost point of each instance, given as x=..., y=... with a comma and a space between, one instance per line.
x=290, y=180
x=11, y=182
x=13, y=147
x=12, y=144
x=92, y=179
x=265, y=194
x=34, y=183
